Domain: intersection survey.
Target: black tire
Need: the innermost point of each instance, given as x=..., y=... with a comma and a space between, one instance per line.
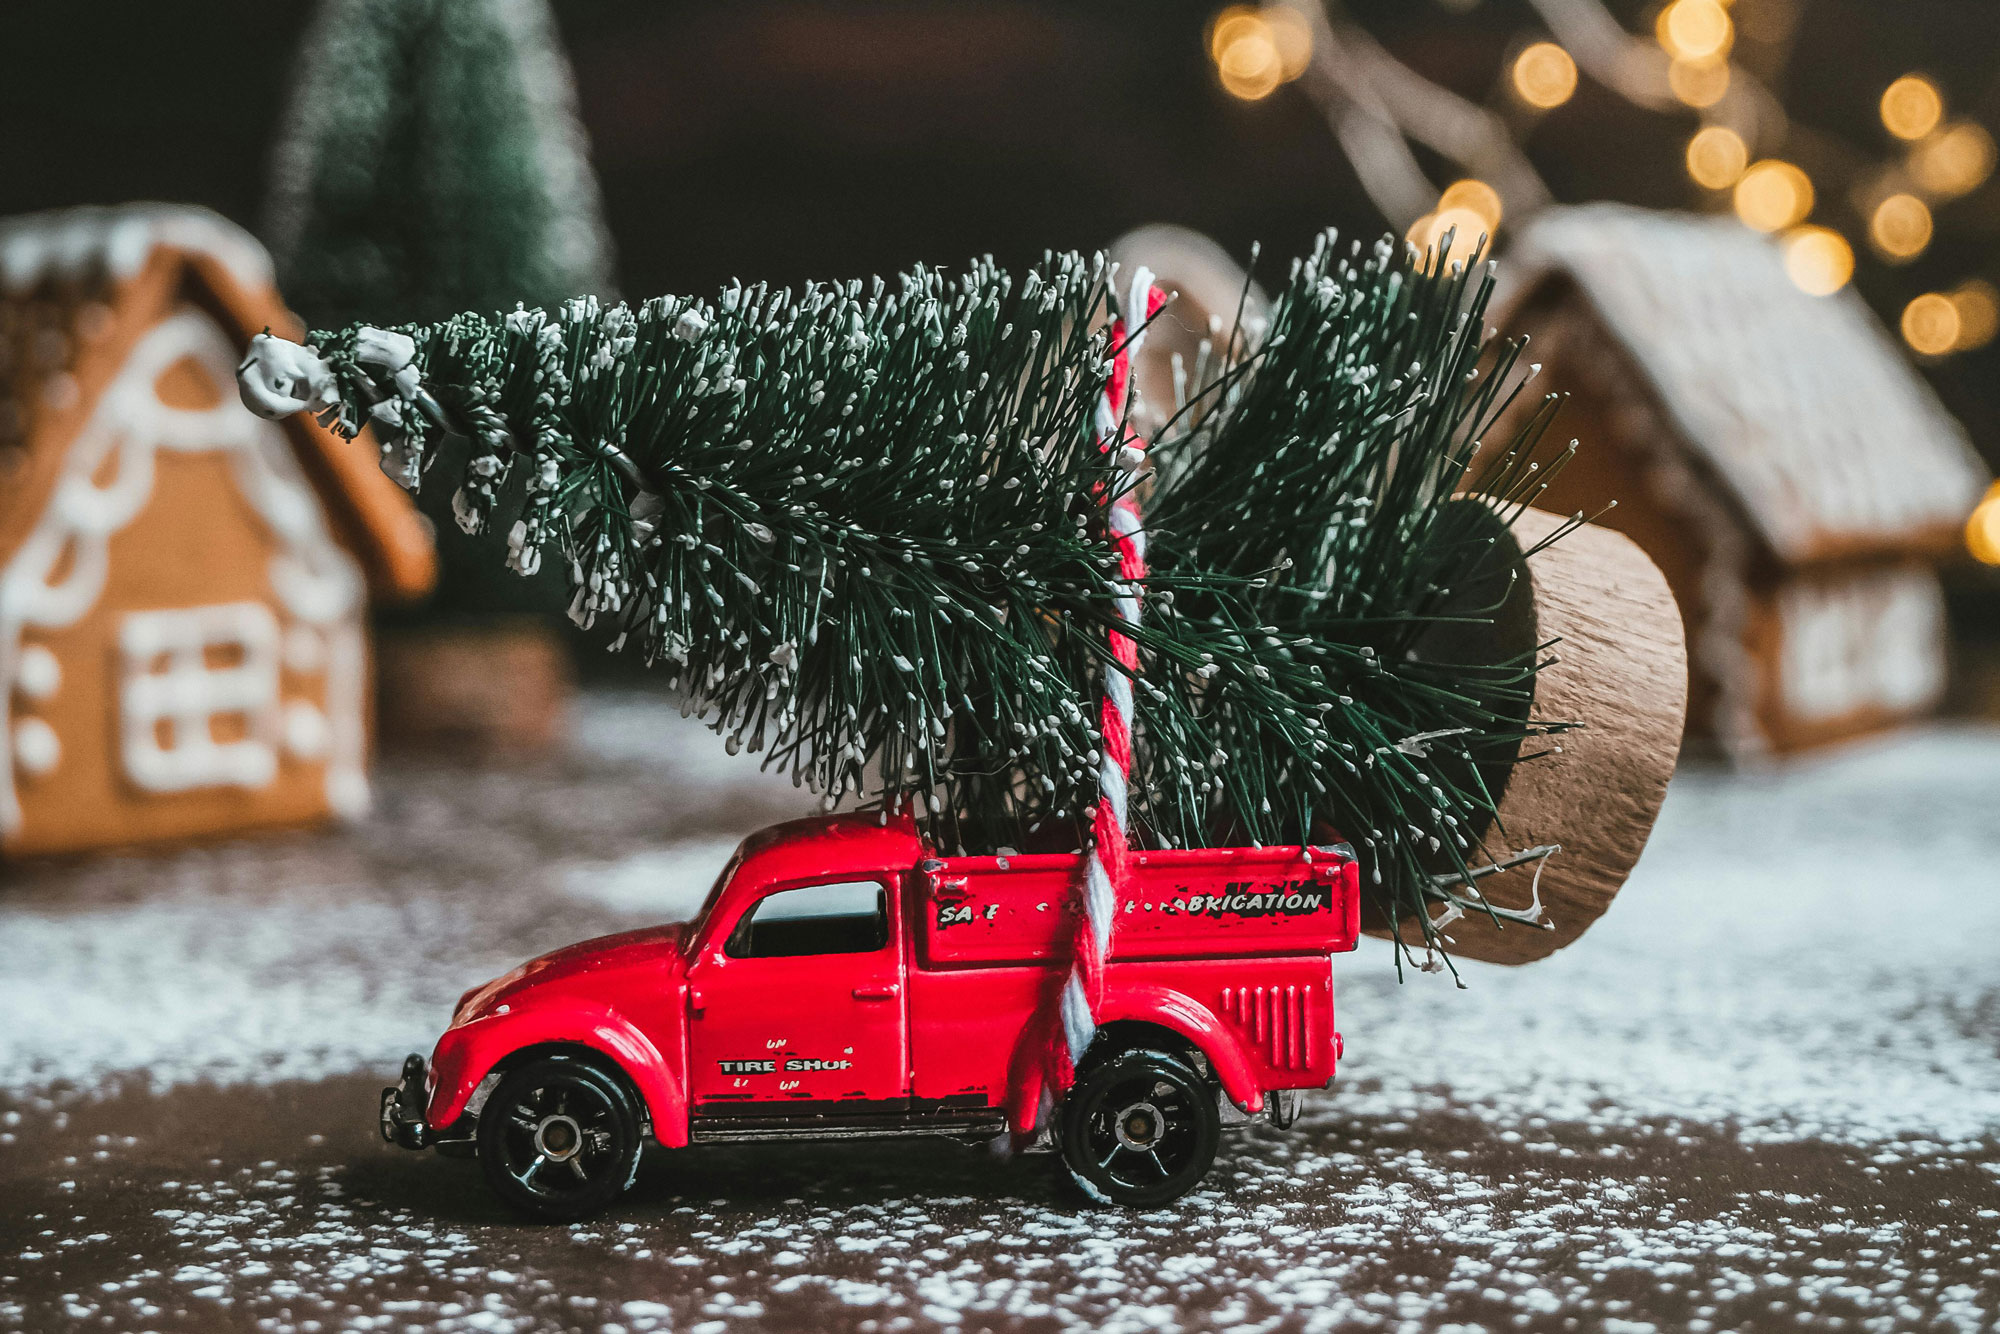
x=1139, y=1128
x=559, y=1138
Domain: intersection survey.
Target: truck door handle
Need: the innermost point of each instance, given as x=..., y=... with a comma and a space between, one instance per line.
x=883, y=991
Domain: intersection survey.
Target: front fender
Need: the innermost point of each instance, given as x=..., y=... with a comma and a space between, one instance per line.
x=1197, y=1023
x=467, y=1053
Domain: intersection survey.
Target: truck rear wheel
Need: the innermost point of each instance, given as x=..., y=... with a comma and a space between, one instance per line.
x=559, y=1138
x=1139, y=1128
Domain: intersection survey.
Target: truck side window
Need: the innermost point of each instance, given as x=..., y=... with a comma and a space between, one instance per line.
x=850, y=917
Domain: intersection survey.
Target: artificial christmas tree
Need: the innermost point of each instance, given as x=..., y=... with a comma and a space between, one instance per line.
x=432, y=161
x=865, y=529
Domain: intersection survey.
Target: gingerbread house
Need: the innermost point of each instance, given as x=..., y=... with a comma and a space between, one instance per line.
x=1772, y=451
x=183, y=587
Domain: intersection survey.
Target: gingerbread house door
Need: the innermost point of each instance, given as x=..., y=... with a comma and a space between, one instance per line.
x=181, y=637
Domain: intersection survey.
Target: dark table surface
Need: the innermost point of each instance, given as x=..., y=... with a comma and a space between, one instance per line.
x=1762, y=1093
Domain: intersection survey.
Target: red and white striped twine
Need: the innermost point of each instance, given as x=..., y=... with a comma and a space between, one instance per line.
x=1104, y=866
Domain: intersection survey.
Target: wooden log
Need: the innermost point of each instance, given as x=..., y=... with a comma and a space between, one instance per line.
x=1619, y=669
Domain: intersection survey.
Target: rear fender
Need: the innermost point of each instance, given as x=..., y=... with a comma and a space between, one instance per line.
x=1199, y=1025
x=468, y=1053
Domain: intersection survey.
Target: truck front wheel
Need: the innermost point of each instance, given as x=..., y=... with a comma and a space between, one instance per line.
x=1139, y=1128
x=559, y=1138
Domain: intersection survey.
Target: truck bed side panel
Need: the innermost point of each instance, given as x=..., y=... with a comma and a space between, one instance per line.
x=1214, y=903
x=966, y=1022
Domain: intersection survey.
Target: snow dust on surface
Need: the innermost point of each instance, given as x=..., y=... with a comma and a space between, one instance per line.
x=299, y=958
x=1762, y=1092
x=1805, y=954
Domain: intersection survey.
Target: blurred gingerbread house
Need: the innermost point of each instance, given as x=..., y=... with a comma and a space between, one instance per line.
x=1772, y=451
x=183, y=586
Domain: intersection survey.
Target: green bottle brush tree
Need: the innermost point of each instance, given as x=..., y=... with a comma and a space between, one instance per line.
x=861, y=527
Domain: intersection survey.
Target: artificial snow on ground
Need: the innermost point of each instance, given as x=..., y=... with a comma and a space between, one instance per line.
x=1799, y=953
x=1764, y=1090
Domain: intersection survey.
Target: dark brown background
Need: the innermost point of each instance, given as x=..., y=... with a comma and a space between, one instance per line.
x=792, y=140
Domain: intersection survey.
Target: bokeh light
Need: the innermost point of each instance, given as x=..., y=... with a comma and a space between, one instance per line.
x=1953, y=161
x=1982, y=530
x=1246, y=54
x=1931, y=325
x=1911, y=107
x=1466, y=227
x=1699, y=83
x=1978, y=305
x=1772, y=195
x=1695, y=29
x=1544, y=75
x=1232, y=25
x=1292, y=34
x=1818, y=260
x=1900, y=227
x=1475, y=197
x=1716, y=157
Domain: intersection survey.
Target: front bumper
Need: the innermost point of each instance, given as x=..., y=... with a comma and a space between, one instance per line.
x=401, y=1118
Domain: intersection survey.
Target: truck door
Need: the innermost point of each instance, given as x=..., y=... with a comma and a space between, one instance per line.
x=802, y=1000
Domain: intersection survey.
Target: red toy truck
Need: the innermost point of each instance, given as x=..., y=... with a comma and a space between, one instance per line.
x=841, y=981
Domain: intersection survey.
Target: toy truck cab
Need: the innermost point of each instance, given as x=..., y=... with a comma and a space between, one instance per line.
x=841, y=981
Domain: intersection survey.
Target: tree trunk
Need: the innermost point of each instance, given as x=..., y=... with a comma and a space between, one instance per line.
x=1619, y=669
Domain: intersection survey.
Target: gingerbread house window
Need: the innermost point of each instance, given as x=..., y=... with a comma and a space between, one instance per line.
x=199, y=697
x=1861, y=644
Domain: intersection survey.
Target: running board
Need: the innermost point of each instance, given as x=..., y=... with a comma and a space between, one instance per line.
x=975, y=1129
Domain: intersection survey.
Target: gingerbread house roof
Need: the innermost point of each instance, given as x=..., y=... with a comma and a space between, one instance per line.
x=80, y=286
x=1799, y=406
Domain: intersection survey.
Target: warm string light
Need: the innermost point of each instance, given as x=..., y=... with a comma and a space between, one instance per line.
x=1293, y=35
x=1544, y=76
x=1716, y=157
x=1818, y=260
x=1939, y=323
x=1256, y=48
x=1695, y=30
x=1931, y=325
x=1978, y=305
x=1464, y=226
x=1900, y=227
x=1699, y=83
x=1697, y=36
x=1911, y=107
x=1772, y=195
x=1943, y=162
x=1982, y=530
x=1777, y=196
x=1468, y=210
x=1476, y=197
x=1954, y=160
